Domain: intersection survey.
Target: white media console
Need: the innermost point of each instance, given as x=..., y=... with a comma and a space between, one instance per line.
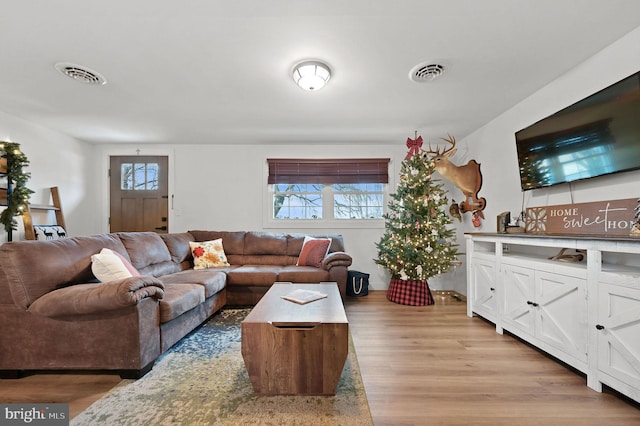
x=585, y=313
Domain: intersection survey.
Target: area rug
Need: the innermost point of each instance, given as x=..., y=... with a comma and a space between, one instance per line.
x=202, y=380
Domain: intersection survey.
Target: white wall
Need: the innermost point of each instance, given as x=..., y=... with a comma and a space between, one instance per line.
x=56, y=160
x=494, y=146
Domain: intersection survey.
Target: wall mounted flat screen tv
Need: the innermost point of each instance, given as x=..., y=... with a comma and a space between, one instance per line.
x=596, y=136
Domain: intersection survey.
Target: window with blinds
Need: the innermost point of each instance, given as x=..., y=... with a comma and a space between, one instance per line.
x=328, y=171
x=327, y=189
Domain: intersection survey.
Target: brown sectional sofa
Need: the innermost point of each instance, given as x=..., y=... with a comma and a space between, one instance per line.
x=55, y=315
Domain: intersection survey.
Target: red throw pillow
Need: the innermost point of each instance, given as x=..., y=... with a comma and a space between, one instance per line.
x=313, y=251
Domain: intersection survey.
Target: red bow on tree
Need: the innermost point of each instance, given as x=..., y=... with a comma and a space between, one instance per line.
x=414, y=146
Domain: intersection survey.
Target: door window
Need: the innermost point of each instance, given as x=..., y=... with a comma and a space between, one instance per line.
x=139, y=176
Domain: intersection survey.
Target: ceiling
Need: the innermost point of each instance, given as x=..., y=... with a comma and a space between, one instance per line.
x=219, y=71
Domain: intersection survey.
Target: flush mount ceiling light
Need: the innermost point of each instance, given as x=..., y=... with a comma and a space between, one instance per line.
x=311, y=75
x=80, y=73
x=425, y=72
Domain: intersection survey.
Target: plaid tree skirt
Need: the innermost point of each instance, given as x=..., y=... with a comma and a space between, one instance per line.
x=409, y=292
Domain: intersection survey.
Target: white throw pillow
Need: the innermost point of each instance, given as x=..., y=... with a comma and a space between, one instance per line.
x=109, y=265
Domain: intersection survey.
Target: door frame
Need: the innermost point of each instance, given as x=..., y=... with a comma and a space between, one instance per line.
x=128, y=150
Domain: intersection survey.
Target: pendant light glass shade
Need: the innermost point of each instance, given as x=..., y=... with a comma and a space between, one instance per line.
x=311, y=75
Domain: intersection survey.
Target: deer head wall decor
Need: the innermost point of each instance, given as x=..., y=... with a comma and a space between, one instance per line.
x=467, y=178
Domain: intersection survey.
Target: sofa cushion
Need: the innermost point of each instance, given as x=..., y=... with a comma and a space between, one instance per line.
x=233, y=241
x=178, y=245
x=213, y=281
x=144, y=248
x=58, y=263
x=265, y=259
x=302, y=274
x=265, y=243
x=87, y=299
x=5, y=292
x=261, y=275
x=313, y=251
x=160, y=269
x=178, y=299
x=109, y=265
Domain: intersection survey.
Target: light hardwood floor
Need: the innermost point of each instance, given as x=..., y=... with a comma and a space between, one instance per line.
x=427, y=365
x=433, y=365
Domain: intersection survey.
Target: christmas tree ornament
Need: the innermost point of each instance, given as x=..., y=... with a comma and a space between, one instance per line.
x=414, y=146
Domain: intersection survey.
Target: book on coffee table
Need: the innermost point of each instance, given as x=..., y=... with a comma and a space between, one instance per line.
x=302, y=297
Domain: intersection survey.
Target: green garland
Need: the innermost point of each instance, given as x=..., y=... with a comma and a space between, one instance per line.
x=19, y=196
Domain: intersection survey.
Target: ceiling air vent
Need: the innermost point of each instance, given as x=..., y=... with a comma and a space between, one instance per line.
x=425, y=72
x=80, y=73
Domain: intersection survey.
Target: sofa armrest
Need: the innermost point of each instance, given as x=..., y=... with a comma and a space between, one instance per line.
x=96, y=298
x=337, y=258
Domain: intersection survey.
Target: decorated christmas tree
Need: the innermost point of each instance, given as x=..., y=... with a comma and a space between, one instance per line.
x=418, y=240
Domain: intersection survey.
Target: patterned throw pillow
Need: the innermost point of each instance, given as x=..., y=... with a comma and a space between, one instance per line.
x=208, y=254
x=49, y=232
x=313, y=251
x=109, y=265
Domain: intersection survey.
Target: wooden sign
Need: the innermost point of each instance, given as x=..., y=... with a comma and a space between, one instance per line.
x=610, y=218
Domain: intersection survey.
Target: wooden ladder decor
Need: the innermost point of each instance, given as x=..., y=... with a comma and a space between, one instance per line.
x=29, y=231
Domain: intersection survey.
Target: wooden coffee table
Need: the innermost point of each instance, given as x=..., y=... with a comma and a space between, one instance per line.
x=292, y=349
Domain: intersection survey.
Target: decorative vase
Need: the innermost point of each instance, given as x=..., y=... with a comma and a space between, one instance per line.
x=410, y=292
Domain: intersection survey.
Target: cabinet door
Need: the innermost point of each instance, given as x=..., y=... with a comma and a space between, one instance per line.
x=561, y=313
x=518, y=293
x=619, y=333
x=484, y=288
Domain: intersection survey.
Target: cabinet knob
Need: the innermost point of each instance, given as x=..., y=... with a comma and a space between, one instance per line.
x=600, y=327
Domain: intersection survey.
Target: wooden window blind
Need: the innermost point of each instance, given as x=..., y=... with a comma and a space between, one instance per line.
x=328, y=171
